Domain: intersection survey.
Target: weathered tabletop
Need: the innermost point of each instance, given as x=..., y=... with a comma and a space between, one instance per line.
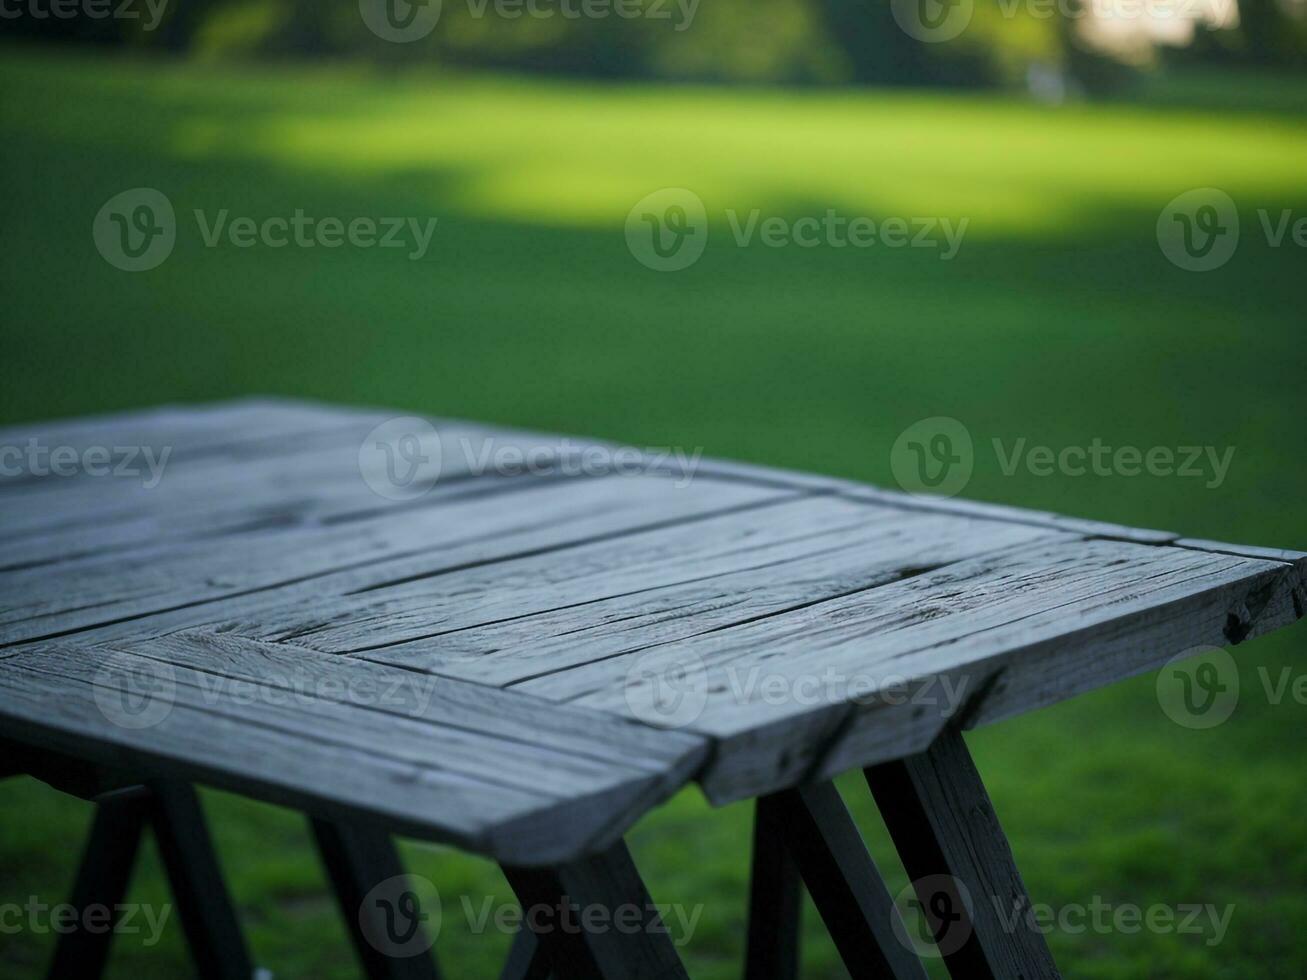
x=524, y=662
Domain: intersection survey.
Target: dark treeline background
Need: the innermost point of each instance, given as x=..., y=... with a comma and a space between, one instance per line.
x=770, y=41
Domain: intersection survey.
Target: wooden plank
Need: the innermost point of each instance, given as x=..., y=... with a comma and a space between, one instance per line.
x=1060, y=616
x=320, y=752
x=954, y=850
x=525, y=618
x=560, y=518
x=93, y=541
x=388, y=702
x=1245, y=550
x=317, y=478
x=956, y=506
x=271, y=464
x=43, y=603
x=326, y=466
x=227, y=429
x=201, y=423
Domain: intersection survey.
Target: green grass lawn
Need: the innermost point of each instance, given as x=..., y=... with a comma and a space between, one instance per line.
x=1059, y=322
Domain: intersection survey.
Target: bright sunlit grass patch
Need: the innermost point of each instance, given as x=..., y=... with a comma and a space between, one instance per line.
x=568, y=154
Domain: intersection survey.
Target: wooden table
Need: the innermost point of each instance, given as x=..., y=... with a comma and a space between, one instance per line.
x=525, y=649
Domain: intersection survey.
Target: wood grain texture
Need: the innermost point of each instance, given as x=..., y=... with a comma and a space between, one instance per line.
x=442, y=760
x=60, y=599
x=955, y=852
x=820, y=624
x=991, y=636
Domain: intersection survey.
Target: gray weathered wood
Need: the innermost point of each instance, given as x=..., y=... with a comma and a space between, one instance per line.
x=454, y=762
x=544, y=607
x=502, y=623
x=1056, y=617
x=47, y=602
x=954, y=850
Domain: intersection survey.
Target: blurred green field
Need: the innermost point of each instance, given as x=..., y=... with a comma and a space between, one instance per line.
x=1059, y=321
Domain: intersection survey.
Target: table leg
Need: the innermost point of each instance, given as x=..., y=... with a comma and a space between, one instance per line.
x=595, y=919
x=775, y=900
x=212, y=930
x=357, y=860
x=102, y=878
x=173, y=810
x=843, y=880
x=953, y=848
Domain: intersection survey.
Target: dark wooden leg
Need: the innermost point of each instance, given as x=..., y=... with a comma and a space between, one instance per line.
x=843, y=881
x=173, y=811
x=775, y=900
x=595, y=919
x=954, y=850
x=102, y=878
x=526, y=960
x=216, y=942
x=387, y=934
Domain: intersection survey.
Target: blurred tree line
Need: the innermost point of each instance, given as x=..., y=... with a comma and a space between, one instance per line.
x=788, y=41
